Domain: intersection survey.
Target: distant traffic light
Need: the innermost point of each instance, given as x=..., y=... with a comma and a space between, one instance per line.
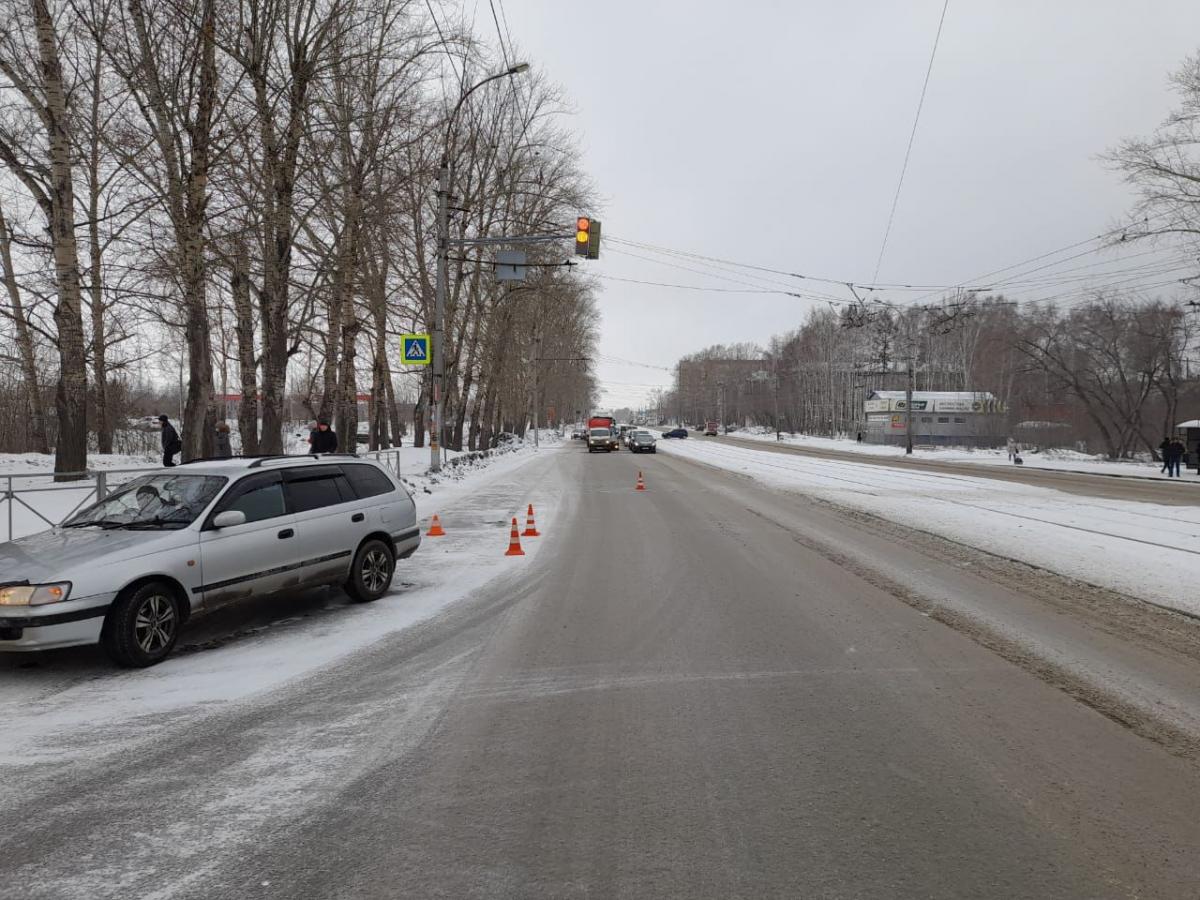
x=583, y=234
x=587, y=237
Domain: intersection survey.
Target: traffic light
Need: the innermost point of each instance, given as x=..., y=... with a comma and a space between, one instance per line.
x=587, y=237
x=583, y=234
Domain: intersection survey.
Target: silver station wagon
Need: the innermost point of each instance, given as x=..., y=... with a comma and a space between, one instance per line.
x=128, y=571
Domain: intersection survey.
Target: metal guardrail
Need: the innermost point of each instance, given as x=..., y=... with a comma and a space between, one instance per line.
x=94, y=485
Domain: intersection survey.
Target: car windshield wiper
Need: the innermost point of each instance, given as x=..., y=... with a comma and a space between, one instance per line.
x=106, y=524
x=156, y=522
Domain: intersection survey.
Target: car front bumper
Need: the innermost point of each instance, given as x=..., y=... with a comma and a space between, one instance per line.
x=70, y=624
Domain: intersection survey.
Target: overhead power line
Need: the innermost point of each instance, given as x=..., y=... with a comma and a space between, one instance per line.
x=911, y=137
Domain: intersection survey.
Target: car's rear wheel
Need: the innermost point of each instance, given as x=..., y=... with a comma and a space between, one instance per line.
x=371, y=574
x=142, y=626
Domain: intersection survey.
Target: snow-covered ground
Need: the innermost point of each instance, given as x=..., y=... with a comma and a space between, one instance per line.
x=1141, y=549
x=56, y=713
x=40, y=502
x=1063, y=460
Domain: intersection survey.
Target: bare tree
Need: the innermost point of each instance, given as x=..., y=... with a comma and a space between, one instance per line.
x=36, y=147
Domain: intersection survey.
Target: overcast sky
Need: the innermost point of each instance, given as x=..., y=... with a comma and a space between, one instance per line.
x=774, y=132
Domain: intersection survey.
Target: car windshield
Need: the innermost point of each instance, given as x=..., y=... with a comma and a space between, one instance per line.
x=159, y=501
x=600, y=432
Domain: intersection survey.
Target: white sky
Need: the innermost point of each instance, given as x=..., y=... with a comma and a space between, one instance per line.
x=774, y=132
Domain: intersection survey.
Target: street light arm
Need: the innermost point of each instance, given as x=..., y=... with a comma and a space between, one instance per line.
x=507, y=73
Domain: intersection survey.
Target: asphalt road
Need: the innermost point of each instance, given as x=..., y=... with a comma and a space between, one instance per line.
x=1184, y=491
x=700, y=691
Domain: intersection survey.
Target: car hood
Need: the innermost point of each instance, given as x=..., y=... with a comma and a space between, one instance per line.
x=53, y=554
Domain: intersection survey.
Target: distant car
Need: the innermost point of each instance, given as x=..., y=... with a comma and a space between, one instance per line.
x=642, y=442
x=711, y=429
x=602, y=439
x=128, y=571
x=675, y=433
x=579, y=434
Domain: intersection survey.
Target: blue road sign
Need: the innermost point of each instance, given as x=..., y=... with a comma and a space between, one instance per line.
x=414, y=349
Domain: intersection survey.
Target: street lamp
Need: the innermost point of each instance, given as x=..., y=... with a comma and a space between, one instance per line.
x=442, y=276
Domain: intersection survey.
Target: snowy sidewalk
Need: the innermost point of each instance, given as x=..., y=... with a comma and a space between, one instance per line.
x=1053, y=460
x=64, y=709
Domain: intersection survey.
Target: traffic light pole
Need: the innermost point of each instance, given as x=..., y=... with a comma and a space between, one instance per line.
x=437, y=407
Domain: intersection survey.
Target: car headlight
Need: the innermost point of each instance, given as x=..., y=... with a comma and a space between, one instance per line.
x=34, y=594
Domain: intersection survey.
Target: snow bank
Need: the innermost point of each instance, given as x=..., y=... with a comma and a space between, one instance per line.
x=1141, y=549
x=1061, y=460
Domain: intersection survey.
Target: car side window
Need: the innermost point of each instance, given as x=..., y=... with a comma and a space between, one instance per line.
x=368, y=481
x=259, y=497
x=315, y=488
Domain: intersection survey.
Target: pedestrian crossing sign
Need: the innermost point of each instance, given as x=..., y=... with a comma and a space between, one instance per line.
x=414, y=349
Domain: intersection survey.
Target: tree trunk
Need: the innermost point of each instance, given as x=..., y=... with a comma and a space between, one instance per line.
x=24, y=339
x=247, y=370
x=70, y=399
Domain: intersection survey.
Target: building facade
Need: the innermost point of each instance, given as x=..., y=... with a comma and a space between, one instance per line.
x=959, y=418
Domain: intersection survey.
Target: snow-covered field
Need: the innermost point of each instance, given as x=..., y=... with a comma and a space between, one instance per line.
x=1141, y=549
x=57, y=715
x=1062, y=460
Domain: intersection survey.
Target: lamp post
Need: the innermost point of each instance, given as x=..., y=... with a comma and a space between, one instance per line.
x=442, y=274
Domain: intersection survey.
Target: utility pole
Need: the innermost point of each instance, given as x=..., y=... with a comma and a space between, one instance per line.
x=721, y=403
x=778, y=433
x=537, y=365
x=908, y=409
x=439, y=318
x=437, y=406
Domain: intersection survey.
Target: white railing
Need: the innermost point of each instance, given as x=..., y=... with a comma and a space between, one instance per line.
x=34, y=501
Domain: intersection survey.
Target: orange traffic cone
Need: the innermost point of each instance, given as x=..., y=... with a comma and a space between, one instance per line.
x=530, y=527
x=641, y=484
x=514, y=542
x=435, y=528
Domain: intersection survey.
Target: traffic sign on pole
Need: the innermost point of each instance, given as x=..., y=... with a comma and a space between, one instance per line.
x=414, y=349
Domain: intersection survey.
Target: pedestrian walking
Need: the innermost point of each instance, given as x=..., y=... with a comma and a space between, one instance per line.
x=860, y=437
x=222, y=445
x=1164, y=452
x=171, y=444
x=324, y=439
x=1176, y=451
x=1011, y=445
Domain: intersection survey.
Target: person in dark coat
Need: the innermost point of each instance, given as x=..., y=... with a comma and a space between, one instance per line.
x=324, y=439
x=222, y=446
x=1164, y=451
x=1175, y=456
x=171, y=444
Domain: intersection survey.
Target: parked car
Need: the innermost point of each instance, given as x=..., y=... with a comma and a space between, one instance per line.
x=602, y=439
x=128, y=571
x=642, y=442
x=675, y=433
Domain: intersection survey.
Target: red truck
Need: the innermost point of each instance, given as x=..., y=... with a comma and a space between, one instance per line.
x=602, y=434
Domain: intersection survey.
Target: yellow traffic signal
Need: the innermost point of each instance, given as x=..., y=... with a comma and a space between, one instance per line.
x=583, y=234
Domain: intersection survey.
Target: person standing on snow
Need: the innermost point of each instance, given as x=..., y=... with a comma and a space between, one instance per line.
x=1176, y=453
x=222, y=446
x=1164, y=451
x=171, y=444
x=324, y=439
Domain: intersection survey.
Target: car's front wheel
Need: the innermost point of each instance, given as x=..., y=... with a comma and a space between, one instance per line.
x=371, y=574
x=142, y=626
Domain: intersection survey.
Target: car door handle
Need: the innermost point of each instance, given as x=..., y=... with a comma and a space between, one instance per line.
x=357, y=517
x=286, y=533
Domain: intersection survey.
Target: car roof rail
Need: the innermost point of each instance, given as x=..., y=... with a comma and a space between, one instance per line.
x=205, y=459
x=284, y=457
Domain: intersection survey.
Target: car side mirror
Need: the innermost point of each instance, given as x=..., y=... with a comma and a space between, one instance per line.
x=229, y=519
